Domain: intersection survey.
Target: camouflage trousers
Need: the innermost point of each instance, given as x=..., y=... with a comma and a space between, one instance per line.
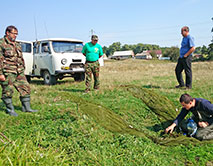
x=18, y=81
x=92, y=68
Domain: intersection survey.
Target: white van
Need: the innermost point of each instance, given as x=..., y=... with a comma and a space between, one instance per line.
x=27, y=50
x=54, y=58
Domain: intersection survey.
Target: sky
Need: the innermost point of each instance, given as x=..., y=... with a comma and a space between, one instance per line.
x=125, y=21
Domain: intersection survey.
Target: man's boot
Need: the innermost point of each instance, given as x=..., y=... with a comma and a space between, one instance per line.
x=26, y=104
x=9, y=105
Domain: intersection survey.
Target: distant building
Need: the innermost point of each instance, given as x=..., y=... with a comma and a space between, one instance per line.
x=164, y=58
x=143, y=55
x=157, y=52
x=147, y=54
x=123, y=55
x=105, y=57
x=197, y=56
x=102, y=59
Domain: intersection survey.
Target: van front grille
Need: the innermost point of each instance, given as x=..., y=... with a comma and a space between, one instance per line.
x=76, y=60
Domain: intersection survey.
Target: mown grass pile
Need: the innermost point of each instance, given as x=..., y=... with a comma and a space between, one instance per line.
x=119, y=125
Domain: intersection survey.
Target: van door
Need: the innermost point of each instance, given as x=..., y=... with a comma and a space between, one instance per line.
x=27, y=51
x=43, y=59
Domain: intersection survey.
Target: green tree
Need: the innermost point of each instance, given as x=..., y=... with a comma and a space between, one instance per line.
x=210, y=52
x=139, y=48
x=198, y=50
x=204, y=50
x=172, y=52
x=133, y=47
x=155, y=47
x=104, y=49
x=153, y=54
x=136, y=48
x=114, y=47
x=125, y=47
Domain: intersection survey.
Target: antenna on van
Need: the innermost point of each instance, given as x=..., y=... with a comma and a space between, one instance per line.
x=35, y=28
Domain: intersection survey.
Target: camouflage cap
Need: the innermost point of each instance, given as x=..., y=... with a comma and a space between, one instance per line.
x=94, y=37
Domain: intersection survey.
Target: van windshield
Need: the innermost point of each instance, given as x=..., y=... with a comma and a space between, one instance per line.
x=64, y=46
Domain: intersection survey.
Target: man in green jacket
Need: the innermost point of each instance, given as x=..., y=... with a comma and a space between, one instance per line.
x=12, y=68
x=93, y=51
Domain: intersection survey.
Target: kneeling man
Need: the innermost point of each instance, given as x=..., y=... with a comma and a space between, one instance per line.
x=202, y=111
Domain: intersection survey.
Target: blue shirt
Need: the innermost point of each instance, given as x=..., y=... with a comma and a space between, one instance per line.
x=92, y=52
x=186, y=44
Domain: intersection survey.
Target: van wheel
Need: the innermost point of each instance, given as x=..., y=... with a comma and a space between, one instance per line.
x=79, y=77
x=28, y=78
x=49, y=79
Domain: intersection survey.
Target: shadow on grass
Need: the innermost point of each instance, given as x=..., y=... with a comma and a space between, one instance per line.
x=73, y=90
x=18, y=108
x=158, y=87
x=151, y=86
x=36, y=82
x=41, y=82
x=159, y=127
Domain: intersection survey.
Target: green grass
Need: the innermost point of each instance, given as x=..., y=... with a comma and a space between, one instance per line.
x=110, y=127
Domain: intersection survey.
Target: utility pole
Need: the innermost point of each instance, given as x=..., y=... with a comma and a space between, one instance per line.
x=91, y=32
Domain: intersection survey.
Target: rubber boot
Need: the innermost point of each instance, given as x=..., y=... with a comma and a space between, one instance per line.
x=9, y=105
x=26, y=104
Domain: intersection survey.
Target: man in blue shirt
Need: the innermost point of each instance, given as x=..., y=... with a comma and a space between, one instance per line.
x=202, y=114
x=185, y=59
x=93, y=51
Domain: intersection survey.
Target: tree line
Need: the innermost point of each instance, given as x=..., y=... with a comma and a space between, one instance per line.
x=136, y=48
x=205, y=53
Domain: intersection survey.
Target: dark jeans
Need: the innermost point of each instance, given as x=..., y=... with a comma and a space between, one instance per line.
x=184, y=64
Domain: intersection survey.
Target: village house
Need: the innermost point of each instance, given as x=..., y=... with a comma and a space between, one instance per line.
x=123, y=55
x=143, y=55
x=147, y=54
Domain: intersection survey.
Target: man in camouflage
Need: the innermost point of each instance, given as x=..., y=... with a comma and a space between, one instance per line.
x=93, y=51
x=12, y=72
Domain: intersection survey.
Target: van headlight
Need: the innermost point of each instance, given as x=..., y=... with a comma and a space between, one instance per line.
x=63, y=61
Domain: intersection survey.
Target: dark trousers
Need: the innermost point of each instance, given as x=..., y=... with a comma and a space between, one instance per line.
x=202, y=133
x=184, y=64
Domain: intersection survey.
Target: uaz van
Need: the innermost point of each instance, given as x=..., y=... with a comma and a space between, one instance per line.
x=54, y=58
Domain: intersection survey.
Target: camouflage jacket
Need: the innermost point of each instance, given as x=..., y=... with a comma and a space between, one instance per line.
x=11, y=58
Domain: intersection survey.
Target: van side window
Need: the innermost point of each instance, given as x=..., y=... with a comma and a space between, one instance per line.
x=26, y=47
x=45, y=48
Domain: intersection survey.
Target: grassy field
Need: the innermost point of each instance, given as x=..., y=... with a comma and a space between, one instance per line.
x=106, y=127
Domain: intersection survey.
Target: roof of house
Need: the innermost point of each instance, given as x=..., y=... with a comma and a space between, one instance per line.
x=147, y=52
x=156, y=51
x=142, y=54
x=123, y=53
